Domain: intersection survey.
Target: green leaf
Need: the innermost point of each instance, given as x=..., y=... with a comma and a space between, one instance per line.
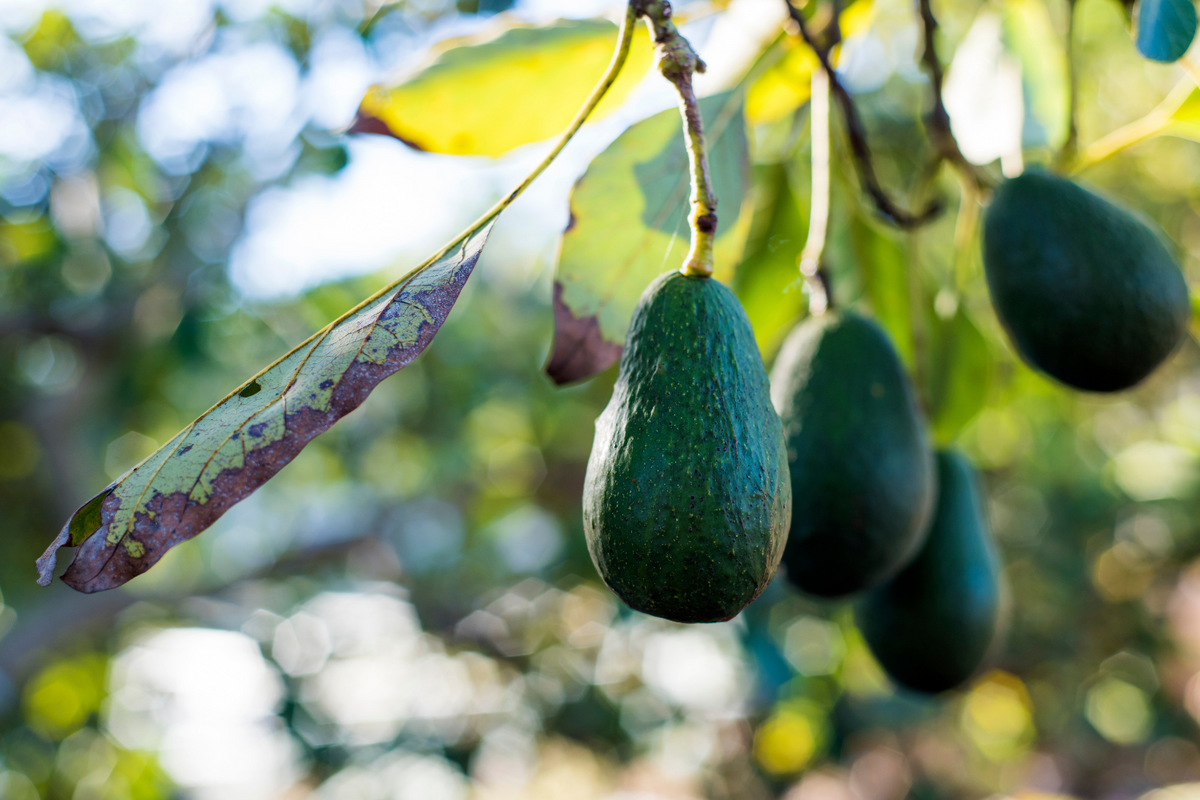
x=884, y=266
x=1165, y=28
x=523, y=86
x=767, y=281
x=629, y=224
x=959, y=376
x=1029, y=35
x=240, y=443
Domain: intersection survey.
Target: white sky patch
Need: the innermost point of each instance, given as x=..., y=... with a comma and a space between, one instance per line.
x=40, y=120
x=389, y=205
x=16, y=73
x=213, y=99
x=175, y=32
x=206, y=701
x=338, y=76
x=983, y=96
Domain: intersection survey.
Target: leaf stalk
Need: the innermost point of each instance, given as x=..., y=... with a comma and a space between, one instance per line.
x=1137, y=131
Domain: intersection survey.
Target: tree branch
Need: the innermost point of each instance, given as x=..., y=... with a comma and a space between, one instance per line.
x=938, y=121
x=859, y=145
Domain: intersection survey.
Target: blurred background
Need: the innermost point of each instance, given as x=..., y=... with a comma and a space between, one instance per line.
x=408, y=610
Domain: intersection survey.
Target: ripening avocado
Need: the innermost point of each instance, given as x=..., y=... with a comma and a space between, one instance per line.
x=687, y=501
x=861, y=470
x=931, y=626
x=1087, y=290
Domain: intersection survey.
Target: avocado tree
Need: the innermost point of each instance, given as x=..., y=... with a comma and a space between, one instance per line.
x=753, y=227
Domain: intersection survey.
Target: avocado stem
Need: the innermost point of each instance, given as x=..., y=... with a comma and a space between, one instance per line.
x=677, y=62
x=1070, y=146
x=818, y=219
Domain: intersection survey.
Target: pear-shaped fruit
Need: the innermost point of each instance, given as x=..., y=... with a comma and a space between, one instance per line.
x=1087, y=290
x=931, y=626
x=687, y=501
x=861, y=470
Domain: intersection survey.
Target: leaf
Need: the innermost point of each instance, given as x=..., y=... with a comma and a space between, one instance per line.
x=1029, y=35
x=767, y=281
x=884, y=267
x=523, y=86
x=240, y=443
x=628, y=225
x=1165, y=28
x=783, y=88
x=960, y=375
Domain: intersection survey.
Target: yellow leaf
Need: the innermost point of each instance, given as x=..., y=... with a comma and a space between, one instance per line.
x=485, y=98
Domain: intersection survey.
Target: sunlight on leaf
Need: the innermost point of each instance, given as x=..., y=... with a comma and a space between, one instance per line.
x=523, y=86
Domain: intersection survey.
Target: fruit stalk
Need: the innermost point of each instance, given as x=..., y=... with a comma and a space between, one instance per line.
x=677, y=62
x=1070, y=147
x=818, y=220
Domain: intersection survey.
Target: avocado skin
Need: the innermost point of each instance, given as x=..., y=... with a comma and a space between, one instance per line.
x=686, y=501
x=861, y=471
x=931, y=626
x=1087, y=290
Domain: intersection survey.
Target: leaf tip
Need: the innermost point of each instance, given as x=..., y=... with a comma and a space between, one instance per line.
x=48, y=561
x=580, y=349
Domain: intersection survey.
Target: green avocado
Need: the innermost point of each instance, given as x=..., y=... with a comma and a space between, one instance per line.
x=931, y=626
x=686, y=502
x=1087, y=290
x=861, y=470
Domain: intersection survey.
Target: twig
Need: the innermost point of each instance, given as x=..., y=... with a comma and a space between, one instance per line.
x=818, y=220
x=938, y=121
x=1137, y=131
x=677, y=62
x=858, y=135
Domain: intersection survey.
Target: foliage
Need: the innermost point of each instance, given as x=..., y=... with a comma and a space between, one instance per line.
x=503, y=665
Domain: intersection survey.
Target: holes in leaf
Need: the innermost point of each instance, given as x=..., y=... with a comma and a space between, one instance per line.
x=253, y=388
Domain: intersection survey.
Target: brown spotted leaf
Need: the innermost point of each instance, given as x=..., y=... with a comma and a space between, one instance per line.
x=240, y=443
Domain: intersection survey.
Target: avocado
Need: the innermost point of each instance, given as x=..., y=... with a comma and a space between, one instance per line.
x=861, y=470
x=686, y=500
x=931, y=626
x=1088, y=292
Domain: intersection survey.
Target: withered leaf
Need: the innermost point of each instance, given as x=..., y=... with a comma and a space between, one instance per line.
x=240, y=443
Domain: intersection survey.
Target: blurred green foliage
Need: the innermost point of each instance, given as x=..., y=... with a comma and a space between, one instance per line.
x=409, y=608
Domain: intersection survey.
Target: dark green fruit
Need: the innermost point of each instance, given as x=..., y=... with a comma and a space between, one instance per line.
x=931, y=625
x=687, y=501
x=1088, y=292
x=862, y=473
